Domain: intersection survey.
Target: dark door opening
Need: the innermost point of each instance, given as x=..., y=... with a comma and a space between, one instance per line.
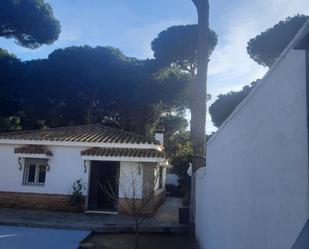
x=103, y=182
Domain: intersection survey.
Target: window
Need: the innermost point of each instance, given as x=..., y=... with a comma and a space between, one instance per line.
x=34, y=171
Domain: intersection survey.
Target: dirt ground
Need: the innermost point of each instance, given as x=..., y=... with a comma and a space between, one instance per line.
x=146, y=241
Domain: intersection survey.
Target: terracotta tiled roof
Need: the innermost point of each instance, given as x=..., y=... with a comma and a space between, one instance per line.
x=85, y=133
x=33, y=149
x=123, y=152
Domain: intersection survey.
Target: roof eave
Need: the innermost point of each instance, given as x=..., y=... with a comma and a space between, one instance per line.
x=124, y=159
x=79, y=144
x=33, y=155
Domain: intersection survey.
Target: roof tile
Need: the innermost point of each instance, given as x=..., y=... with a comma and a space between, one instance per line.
x=123, y=152
x=96, y=133
x=33, y=149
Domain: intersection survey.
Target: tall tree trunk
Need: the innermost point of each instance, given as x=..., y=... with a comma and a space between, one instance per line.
x=199, y=97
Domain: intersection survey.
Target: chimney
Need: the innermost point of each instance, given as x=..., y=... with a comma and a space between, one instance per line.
x=159, y=136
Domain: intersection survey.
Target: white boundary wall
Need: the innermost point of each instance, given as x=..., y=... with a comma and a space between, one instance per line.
x=254, y=193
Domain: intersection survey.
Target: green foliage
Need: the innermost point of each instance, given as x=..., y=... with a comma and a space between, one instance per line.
x=180, y=150
x=173, y=124
x=80, y=85
x=177, y=138
x=174, y=81
x=226, y=103
x=78, y=189
x=4, y=54
x=178, y=45
x=30, y=22
x=9, y=123
x=10, y=71
x=266, y=47
x=179, y=145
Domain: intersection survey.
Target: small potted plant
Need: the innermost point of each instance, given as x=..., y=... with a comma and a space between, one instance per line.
x=77, y=198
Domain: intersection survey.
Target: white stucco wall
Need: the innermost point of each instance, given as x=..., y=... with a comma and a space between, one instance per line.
x=66, y=166
x=135, y=170
x=131, y=180
x=254, y=193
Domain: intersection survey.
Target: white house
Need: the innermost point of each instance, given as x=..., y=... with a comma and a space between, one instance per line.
x=38, y=168
x=254, y=192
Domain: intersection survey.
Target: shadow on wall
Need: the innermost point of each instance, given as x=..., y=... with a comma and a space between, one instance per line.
x=302, y=241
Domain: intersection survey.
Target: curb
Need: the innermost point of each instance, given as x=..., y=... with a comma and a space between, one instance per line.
x=168, y=229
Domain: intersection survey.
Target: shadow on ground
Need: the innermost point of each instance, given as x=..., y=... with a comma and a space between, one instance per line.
x=165, y=219
x=146, y=241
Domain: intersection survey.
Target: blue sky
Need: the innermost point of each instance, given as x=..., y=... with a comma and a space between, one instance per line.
x=132, y=24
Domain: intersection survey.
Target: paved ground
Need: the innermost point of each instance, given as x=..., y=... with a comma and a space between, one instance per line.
x=166, y=220
x=168, y=212
x=35, y=238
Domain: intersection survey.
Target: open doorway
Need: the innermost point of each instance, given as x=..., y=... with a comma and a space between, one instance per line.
x=103, y=176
